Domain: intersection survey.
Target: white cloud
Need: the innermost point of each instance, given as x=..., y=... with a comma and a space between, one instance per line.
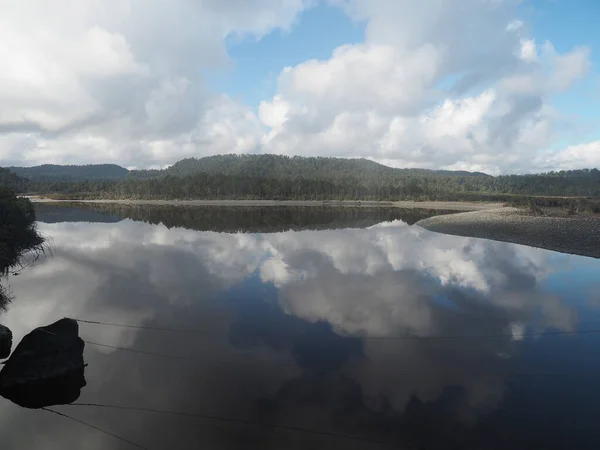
x=573, y=157
x=92, y=81
x=528, y=50
x=568, y=67
x=98, y=81
x=275, y=113
x=363, y=77
x=50, y=62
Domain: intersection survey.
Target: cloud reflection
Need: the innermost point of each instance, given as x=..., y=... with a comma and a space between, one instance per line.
x=285, y=300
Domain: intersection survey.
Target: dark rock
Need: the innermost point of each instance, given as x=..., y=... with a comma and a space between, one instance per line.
x=5, y=341
x=46, y=368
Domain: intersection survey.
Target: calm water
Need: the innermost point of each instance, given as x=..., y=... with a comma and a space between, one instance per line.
x=351, y=323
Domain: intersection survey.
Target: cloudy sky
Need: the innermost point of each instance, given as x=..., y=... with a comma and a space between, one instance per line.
x=502, y=86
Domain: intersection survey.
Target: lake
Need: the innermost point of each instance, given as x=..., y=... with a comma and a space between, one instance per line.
x=303, y=328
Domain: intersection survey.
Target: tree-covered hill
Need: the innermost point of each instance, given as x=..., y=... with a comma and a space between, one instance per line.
x=53, y=172
x=281, y=167
x=280, y=177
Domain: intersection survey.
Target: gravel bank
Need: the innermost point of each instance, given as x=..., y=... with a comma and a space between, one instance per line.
x=578, y=235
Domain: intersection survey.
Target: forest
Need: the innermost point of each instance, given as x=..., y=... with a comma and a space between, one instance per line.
x=12, y=182
x=280, y=177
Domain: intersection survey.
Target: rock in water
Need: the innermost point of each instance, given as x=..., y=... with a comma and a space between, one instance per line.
x=5, y=341
x=46, y=368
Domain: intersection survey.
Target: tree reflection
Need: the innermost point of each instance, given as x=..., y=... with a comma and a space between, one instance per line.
x=227, y=219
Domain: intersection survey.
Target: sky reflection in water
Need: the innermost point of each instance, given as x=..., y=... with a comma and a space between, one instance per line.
x=298, y=327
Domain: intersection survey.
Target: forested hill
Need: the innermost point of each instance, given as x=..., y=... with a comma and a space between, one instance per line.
x=52, y=172
x=284, y=167
x=279, y=177
x=267, y=166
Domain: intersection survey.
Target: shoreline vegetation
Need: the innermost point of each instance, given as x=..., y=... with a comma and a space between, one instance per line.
x=18, y=236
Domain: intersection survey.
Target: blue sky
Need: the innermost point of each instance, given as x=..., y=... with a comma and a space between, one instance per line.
x=569, y=24
x=258, y=62
x=321, y=29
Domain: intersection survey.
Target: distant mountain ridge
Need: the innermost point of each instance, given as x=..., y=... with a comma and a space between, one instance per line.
x=54, y=172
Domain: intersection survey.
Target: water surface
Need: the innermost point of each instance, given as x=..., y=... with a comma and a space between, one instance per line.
x=344, y=322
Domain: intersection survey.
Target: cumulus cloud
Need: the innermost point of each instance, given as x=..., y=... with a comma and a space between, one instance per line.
x=93, y=81
x=389, y=99
x=573, y=157
x=457, y=86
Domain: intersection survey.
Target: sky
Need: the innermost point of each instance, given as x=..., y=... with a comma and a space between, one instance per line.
x=500, y=86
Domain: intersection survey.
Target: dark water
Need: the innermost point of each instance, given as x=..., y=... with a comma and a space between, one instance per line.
x=372, y=329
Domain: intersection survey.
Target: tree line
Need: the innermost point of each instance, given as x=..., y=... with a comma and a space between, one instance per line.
x=337, y=187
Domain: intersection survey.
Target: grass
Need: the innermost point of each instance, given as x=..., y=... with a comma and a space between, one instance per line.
x=570, y=206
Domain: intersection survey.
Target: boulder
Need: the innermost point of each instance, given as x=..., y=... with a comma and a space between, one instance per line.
x=5, y=341
x=46, y=368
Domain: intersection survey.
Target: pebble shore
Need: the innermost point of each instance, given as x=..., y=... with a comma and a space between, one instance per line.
x=578, y=234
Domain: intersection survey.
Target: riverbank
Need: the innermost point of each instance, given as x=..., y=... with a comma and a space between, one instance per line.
x=450, y=206
x=578, y=234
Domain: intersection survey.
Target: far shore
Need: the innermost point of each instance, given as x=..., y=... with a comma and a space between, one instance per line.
x=578, y=234
x=449, y=206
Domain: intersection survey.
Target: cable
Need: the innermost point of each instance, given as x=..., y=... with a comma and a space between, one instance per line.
x=162, y=355
x=245, y=422
x=366, y=338
x=187, y=358
x=95, y=428
x=176, y=330
x=293, y=367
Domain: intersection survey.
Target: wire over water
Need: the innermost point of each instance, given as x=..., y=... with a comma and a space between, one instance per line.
x=95, y=428
x=293, y=367
x=366, y=338
x=246, y=422
x=142, y=352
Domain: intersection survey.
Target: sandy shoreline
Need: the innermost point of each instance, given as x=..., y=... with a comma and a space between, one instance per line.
x=578, y=235
x=450, y=206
